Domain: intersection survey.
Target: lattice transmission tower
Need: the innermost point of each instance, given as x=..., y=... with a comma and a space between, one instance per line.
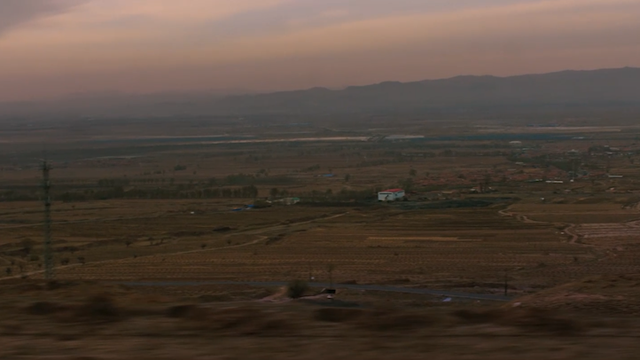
x=48, y=252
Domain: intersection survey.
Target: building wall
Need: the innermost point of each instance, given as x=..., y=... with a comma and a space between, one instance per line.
x=388, y=196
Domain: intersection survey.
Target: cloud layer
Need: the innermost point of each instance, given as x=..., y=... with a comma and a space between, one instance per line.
x=14, y=13
x=57, y=47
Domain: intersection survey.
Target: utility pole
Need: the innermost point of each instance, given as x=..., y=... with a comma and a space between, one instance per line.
x=48, y=253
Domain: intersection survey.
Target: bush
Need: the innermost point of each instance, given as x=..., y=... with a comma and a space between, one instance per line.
x=297, y=289
x=248, y=321
x=209, y=298
x=236, y=318
x=542, y=320
x=478, y=316
x=337, y=315
x=44, y=308
x=395, y=320
x=184, y=311
x=56, y=284
x=99, y=307
x=530, y=319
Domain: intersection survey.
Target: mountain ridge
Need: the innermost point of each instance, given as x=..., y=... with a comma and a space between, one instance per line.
x=568, y=88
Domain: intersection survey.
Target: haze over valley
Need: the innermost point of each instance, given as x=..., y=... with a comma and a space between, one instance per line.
x=303, y=179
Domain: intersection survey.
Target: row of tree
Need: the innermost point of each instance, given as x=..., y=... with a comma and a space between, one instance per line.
x=246, y=192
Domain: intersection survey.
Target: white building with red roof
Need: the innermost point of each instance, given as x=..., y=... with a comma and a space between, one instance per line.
x=391, y=195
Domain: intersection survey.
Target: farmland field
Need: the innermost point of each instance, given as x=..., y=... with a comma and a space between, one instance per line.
x=193, y=220
x=159, y=207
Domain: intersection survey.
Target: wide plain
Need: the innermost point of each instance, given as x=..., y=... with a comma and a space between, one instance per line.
x=491, y=209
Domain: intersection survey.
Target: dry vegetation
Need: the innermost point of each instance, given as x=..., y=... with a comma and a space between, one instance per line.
x=88, y=317
x=479, y=212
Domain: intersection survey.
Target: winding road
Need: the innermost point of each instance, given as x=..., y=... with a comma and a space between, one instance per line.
x=569, y=229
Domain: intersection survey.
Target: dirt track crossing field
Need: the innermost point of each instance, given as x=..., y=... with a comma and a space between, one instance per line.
x=463, y=250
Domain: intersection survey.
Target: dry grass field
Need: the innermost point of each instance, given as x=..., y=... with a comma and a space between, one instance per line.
x=553, y=225
x=451, y=248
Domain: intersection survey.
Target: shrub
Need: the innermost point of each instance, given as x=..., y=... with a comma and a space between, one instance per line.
x=183, y=311
x=99, y=307
x=530, y=319
x=251, y=321
x=236, y=318
x=541, y=320
x=395, y=320
x=44, y=308
x=478, y=316
x=297, y=289
x=209, y=298
x=337, y=315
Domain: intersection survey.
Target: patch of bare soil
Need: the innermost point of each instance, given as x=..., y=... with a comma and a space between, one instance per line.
x=279, y=296
x=607, y=230
x=614, y=294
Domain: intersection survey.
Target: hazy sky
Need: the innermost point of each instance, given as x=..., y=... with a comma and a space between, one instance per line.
x=55, y=47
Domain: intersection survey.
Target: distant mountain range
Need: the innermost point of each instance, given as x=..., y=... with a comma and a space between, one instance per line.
x=565, y=89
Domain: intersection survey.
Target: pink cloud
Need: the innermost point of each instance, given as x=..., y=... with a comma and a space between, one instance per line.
x=163, y=45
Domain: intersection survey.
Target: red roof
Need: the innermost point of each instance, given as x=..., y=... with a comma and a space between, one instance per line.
x=392, y=190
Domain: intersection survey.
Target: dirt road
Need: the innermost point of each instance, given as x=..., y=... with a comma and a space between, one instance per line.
x=383, y=288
